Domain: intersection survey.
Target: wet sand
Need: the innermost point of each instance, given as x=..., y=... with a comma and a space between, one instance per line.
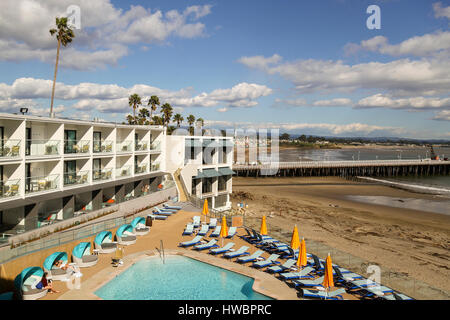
x=411, y=242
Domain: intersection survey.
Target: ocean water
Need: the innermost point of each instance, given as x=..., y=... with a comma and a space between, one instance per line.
x=180, y=278
x=364, y=153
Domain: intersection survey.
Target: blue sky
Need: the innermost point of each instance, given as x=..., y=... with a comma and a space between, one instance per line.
x=309, y=67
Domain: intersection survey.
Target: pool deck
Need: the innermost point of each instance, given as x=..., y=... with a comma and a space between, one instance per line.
x=170, y=231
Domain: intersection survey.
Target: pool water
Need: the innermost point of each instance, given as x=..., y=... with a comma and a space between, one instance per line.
x=180, y=278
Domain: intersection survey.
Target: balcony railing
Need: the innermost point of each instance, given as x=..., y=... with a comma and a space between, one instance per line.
x=155, y=167
x=9, y=148
x=123, y=172
x=141, y=169
x=9, y=188
x=124, y=146
x=103, y=146
x=41, y=183
x=155, y=146
x=141, y=146
x=76, y=178
x=102, y=175
x=42, y=147
x=81, y=146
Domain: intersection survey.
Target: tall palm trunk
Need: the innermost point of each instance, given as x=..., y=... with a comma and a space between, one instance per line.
x=54, y=78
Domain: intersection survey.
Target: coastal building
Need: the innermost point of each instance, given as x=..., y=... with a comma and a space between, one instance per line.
x=204, y=167
x=54, y=169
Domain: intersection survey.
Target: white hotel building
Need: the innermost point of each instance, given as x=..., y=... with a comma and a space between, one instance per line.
x=55, y=169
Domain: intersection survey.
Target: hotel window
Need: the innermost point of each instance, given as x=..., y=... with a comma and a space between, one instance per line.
x=207, y=185
x=222, y=183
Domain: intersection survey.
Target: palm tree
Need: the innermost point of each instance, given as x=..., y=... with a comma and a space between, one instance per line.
x=157, y=120
x=64, y=35
x=134, y=101
x=130, y=119
x=201, y=121
x=167, y=112
x=191, y=121
x=178, y=119
x=143, y=114
x=153, y=101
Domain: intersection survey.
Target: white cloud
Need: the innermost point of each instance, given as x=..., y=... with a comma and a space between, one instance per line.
x=352, y=129
x=333, y=102
x=441, y=12
x=106, y=31
x=401, y=77
x=108, y=98
x=299, y=102
x=428, y=44
x=260, y=62
x=414, y=103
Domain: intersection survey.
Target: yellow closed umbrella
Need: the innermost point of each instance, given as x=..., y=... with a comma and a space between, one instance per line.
x=223, y=229
x=328, y=281
x=295, y=240
x=205, y=210
x=263, y=226
x=302, y=260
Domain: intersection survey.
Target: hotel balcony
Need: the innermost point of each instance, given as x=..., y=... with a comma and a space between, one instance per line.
x=10, y=148
x=155, y=167
x=42, y=147
x=76, y=178
x=141, y=169
x=102, y=175
x=76, y=147
x=124, y=146
x=155, y=146
x=123, y=172
x=41, y=183
x=141, y=146
x=9, y=188
x=103, y=146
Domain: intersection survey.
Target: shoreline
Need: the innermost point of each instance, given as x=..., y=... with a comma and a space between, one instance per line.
x=411, y=242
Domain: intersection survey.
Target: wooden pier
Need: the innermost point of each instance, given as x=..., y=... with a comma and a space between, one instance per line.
x=382, y=168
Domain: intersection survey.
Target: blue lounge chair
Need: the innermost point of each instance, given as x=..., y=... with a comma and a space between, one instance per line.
x=162, y=213
x=166, y=210
x=268, y=262
x=396, y=296
x=157, y=216
x=216, y=232
x=212, y=223
x=125, y=235
x=56, y=273
x=378, y=291
x=224, y=249
x=317, y=282
x=196, y=221
x=255, y=255
x=209, y=245
x=139, y=226
x=81, y=255
x=285, y=266
x=189, y=229
x=203, y=230
x=231, y=232
x=166, y=206
x=248, y=236
x=26, y=281
x=296, y=275
x=332, y=295
x=103, y=242
x=191, y=242
x=240, y=252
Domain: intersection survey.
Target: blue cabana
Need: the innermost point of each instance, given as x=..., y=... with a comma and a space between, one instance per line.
x=80, y=249
x=136, y=221
x=123, y=228
x=50, y=260
x=24, y=278
x=102, y=236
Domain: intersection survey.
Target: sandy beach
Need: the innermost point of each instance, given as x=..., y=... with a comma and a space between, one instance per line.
x=413, y=243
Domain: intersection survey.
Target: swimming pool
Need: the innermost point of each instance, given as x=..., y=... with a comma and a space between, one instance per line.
x=180, y=278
